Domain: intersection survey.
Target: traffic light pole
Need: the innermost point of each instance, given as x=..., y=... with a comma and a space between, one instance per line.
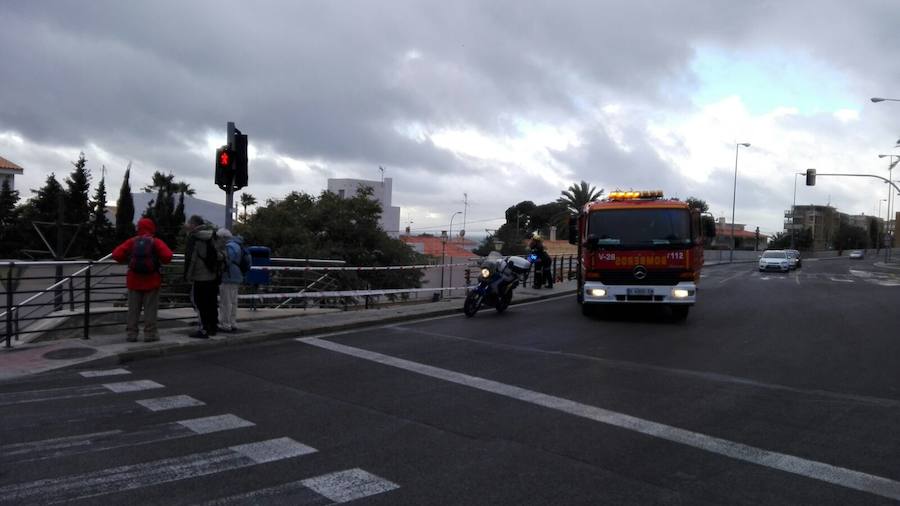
x=229, y=192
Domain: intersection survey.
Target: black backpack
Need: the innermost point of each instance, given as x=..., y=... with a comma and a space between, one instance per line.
x=143, y=256
x=213, y=257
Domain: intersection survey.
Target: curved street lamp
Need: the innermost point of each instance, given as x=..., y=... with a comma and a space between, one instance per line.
x=893, y=159
x=734, y=195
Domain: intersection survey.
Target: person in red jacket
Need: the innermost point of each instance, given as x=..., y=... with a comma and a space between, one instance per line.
x=144, y=254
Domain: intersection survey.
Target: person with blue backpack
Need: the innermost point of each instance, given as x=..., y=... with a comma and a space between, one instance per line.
x=144, y=255
x=238, y=265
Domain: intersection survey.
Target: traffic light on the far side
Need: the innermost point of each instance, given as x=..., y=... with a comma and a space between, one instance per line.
x=810, y=177
x=225, y=164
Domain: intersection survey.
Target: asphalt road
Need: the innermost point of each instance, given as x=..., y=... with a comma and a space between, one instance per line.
x=778, y=389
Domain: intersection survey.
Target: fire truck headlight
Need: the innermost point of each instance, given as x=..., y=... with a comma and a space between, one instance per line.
x=597, y=292
x=680, y=293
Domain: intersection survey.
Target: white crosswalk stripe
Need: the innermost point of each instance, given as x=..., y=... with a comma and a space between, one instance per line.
x=108, y=372
x=135, y=476
x=339, y=487
x=331, y=488
x=108, y=440
x=51, y=394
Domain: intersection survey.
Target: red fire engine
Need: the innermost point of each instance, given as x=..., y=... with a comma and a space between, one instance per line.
x=637, y=247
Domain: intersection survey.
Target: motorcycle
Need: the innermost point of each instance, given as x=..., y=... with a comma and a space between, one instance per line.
x=496, y=283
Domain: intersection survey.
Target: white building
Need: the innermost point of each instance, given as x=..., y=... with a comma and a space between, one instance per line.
x=9, y=171
x=381, y=191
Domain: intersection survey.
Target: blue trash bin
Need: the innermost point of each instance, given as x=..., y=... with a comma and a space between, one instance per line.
x=261, y=256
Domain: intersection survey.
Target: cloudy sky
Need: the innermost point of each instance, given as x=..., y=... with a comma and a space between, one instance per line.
x=503, y=100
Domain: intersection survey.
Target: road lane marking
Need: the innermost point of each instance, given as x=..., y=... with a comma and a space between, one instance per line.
x=108, y=440
x=729, y=278
x=840, y=280
x=639, y=367
x=173, y=402
x=51, y=394
x=780, y=461
x=134, y=476
x=339, y=487
x=108, y=372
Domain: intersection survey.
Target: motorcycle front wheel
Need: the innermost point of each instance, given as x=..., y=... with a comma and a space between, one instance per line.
x=472, y=304
x=504, y=301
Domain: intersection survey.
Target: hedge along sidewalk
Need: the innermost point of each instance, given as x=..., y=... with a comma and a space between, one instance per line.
x=111, y=348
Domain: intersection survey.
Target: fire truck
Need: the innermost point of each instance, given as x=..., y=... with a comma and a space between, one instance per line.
x=637, y=247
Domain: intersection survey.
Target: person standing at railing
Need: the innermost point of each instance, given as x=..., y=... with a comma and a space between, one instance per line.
x=144, y=254
x=237, y=260
x=204, y=263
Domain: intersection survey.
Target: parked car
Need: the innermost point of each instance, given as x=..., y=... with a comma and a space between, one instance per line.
x=774, y=260
x=794, y=257
x=857, y=254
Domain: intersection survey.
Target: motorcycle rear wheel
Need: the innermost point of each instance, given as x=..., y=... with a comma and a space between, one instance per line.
x=472, y=304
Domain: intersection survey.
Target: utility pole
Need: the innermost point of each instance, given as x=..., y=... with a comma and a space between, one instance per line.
x=465, y=212
x=229, y=191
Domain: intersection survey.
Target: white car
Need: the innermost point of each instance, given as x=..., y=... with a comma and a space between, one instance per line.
x=857, y=254
x=774, y=260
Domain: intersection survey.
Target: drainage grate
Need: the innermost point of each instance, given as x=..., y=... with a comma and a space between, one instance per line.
x=67, y=353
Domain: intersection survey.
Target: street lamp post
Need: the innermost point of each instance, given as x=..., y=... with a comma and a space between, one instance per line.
x=880, y=239
x=443, y=253
x=734, y=195
x=887, y=251
x=890, y=201
x=450, y=273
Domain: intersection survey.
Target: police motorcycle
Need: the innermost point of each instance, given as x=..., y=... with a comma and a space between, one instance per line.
x=496, y=283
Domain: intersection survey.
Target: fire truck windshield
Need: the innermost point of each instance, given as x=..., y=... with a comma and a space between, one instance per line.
x=627, y=228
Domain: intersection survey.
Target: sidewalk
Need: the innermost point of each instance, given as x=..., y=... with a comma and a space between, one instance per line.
x=111, y=348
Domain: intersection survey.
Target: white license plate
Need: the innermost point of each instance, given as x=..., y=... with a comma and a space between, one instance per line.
x=640, y=291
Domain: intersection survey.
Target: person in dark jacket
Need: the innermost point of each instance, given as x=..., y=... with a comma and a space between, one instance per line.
x=143, y=279
x=203, y=257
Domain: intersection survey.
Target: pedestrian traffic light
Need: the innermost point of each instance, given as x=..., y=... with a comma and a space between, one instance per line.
x=240, y=160
x=224, y=167
x=810, y=177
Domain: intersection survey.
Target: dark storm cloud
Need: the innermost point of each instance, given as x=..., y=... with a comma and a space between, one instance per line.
x=333, y=81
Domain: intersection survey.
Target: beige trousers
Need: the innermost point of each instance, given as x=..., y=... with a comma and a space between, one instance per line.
x=228, y=303
x=149, y=302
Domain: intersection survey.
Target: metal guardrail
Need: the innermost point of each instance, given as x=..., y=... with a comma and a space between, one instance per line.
x=97, y=288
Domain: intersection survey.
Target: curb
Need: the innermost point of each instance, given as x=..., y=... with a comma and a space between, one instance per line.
x=163, y=351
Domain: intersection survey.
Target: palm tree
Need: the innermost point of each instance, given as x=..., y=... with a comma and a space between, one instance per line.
x=577, y=195
x=246, y=201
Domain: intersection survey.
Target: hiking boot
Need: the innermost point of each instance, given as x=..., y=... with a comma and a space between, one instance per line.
x=199, y=335
x=151, y=339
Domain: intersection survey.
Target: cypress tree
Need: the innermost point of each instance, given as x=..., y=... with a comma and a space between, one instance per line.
x=102, y=231
x=125, y=209
x=78, y=209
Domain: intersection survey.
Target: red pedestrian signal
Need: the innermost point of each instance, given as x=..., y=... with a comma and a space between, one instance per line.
x=224, y=168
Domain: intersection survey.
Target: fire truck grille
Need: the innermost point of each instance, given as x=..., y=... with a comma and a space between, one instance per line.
x=628, y=278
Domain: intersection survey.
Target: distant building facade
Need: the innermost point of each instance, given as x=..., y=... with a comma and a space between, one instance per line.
x=9, y=171
x=824, y=222
x=381, y=191
x=743, y=238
